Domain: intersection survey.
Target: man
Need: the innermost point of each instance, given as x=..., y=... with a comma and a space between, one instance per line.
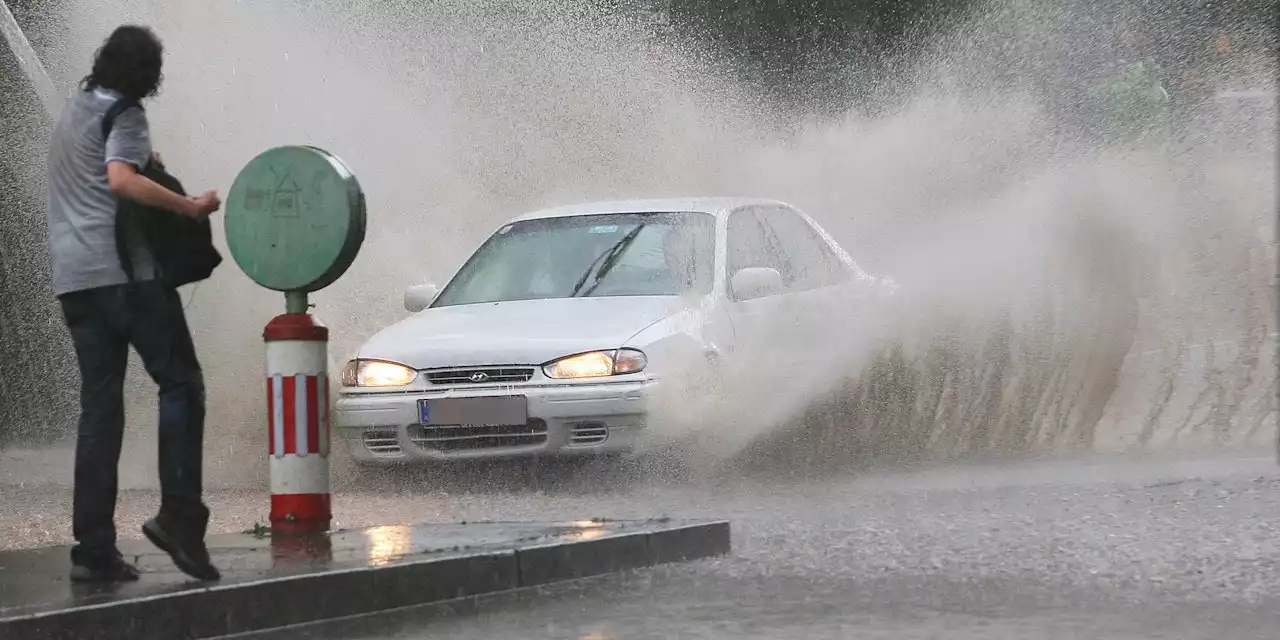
x=106, y=311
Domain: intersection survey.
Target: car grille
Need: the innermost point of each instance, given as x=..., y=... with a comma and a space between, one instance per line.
x=450, y=438
x=587, y=434
x=481, y=375
x=382, y=442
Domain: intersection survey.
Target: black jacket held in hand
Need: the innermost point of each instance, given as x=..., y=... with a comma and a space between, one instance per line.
x=181, y=246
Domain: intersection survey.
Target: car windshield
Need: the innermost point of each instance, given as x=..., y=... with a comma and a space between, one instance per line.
x=627, y=254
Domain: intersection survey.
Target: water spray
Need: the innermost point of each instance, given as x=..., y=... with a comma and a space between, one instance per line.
x=28, y=61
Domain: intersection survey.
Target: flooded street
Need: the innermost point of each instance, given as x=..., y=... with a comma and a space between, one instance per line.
x=1118, y=547
x=1157, y=546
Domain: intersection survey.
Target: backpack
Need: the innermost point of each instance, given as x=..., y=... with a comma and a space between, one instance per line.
x=180, y=246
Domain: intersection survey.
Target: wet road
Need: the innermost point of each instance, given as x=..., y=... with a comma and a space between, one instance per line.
x=1152, y=547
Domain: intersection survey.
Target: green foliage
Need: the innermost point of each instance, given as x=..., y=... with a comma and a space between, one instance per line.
x=259, y=531
x=802, y=51
x=806, y=54
x=1137, y=104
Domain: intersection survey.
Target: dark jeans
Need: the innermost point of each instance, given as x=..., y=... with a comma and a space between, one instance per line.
x=103, y=323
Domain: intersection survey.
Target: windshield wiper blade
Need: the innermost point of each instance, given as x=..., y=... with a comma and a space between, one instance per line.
x=606, y=261
x=587, y=274
x=611, y=258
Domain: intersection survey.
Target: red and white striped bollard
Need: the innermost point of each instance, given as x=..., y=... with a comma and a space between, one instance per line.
x=298, y=423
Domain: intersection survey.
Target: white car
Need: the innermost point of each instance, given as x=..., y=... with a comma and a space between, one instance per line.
x=558, y=333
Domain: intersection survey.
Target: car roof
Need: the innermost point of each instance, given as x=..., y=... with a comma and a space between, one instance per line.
x=717, y=206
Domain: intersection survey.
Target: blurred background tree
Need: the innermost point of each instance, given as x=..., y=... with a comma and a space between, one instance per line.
x=821, y=57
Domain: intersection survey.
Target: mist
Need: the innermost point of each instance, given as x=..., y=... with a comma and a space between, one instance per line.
x=1052, y=293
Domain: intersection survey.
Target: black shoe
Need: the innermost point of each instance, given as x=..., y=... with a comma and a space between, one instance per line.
x=186, y=547
x=112, y=568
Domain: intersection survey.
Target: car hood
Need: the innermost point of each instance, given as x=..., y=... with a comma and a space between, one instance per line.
x=520, y=332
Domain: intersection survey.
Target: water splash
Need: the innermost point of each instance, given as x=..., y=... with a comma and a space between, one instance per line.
x=1040, y=273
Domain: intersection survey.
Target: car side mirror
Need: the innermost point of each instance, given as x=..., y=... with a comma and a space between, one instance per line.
x=756, y=282
x=419, y=297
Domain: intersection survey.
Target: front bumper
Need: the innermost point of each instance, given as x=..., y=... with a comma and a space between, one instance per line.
x=564, y=420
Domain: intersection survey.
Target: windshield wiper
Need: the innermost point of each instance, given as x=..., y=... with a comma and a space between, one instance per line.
x=606, y=261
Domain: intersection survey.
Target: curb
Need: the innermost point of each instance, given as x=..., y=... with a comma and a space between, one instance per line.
x=265, y=604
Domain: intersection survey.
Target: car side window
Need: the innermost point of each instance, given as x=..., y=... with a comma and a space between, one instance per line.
x=813, y=263
x=749, y=245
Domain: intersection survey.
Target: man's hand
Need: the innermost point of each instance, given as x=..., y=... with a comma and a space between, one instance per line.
x=205, y=204
x=125, y=182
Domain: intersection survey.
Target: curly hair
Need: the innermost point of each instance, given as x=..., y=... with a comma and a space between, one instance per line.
x=128, y=63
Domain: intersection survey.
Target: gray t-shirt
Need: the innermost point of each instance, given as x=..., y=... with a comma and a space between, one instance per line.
x=82, y=210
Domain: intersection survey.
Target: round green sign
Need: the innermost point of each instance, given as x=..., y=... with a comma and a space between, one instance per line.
x=295, y=219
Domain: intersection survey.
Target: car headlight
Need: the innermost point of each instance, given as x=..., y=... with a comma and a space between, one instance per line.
x=596, y=364
x=376, y=373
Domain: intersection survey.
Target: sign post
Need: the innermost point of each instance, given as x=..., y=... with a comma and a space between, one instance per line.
x=295, y=220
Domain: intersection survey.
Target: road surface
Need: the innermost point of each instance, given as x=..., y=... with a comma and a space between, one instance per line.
x=1158, y=546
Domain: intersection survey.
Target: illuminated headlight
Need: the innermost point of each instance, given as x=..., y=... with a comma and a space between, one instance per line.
x=376, y=373
x=596, y=364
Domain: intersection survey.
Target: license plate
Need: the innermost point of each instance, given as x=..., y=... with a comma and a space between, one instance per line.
x=489, y=412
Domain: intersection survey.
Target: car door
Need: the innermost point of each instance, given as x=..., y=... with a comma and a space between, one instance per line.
x=763, y=337
x=824, y=291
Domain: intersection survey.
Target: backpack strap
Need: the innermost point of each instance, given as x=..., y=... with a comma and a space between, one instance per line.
x=122, y=245
x=109, y=118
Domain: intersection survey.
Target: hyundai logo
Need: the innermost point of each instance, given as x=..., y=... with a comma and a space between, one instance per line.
x=479, y=376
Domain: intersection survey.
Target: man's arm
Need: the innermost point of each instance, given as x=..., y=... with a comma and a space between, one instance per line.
x=125, y=182
x=128, y=148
